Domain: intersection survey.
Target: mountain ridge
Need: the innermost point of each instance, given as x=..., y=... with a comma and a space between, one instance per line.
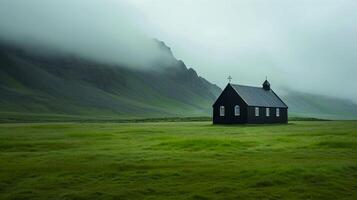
x=67, y=85
x=44, y=83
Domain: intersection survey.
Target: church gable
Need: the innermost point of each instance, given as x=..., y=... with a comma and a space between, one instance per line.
x=228, y=93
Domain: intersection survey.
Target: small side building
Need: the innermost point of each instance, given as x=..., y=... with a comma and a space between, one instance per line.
x=239, y=104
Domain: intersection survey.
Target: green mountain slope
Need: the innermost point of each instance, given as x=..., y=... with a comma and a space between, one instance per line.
x=62, y=86
x=312, y=105
x=32, y=83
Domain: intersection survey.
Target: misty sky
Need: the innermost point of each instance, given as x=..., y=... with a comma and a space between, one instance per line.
x=308, y=45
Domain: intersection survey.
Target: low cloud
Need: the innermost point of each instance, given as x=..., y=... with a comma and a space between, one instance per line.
x=106, y=30
x=308, y=46
x=303, y=45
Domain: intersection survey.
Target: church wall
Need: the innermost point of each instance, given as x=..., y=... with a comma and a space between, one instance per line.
x=262, y=118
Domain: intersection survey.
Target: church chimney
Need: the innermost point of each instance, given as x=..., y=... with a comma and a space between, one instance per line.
x=266, y=85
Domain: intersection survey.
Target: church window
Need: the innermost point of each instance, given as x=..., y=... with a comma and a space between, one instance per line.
x=237, y=110
x=221, y=111
x=256, y=111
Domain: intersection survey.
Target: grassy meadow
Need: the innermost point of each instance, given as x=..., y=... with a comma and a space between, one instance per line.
x=178, y=160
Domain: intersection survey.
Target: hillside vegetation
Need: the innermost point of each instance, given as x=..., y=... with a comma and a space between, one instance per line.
x=67, y=85
x=61, y=87
x=313, y=105
x=300, y=160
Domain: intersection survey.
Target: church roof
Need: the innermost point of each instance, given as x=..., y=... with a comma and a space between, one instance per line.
x=257, y=96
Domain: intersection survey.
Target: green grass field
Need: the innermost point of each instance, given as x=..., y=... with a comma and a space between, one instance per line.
x=178, y=160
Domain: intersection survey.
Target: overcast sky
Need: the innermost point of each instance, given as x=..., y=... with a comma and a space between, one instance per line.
x=304, y=45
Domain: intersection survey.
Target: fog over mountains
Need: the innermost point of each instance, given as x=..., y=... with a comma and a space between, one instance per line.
x=301, y=45
x=308, y=46
x=61, y=84
x=99, y=58
x=105, y=31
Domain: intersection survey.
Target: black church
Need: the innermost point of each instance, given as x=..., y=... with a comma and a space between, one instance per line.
x=239, y=104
